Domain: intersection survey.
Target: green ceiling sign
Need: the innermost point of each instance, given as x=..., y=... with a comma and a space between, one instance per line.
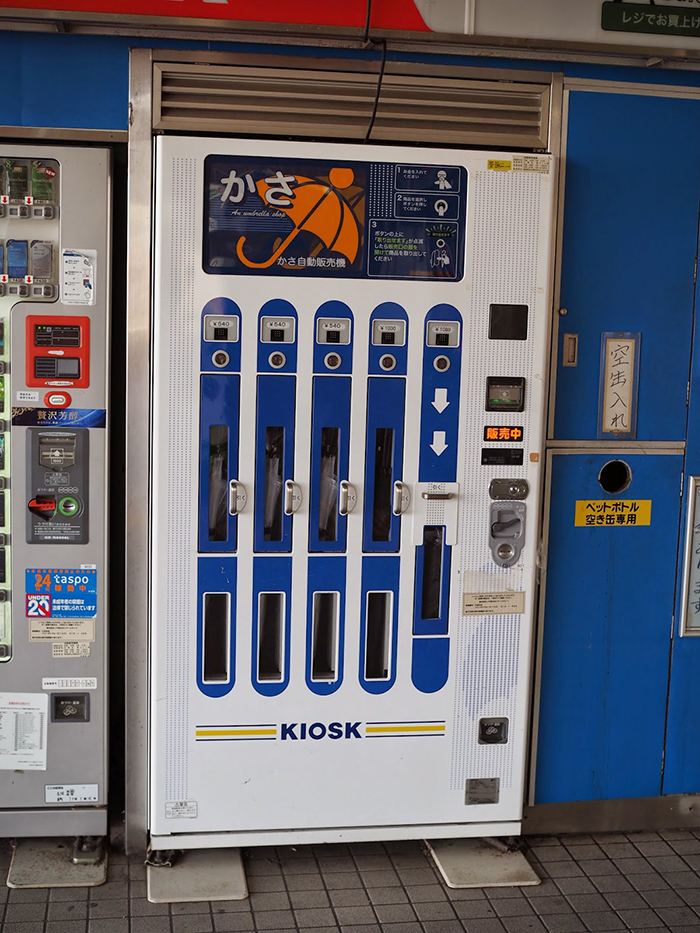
x=644, y=17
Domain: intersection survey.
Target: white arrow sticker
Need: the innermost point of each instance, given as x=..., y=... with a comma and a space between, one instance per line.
x=439, y=444
x=440, y=402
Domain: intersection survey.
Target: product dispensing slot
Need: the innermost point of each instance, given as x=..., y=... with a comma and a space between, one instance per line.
x=378, y=636
x=274, y=484
x=328, y=504
x=218, y=482
x=216, y=623
x=270, y=636
x=383, y=484
x=431, y=585
x=324, y=662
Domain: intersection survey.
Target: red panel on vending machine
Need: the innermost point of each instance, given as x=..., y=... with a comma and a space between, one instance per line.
x=58, y=351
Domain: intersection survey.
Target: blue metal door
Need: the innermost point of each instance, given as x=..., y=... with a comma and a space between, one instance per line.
x=606, y=640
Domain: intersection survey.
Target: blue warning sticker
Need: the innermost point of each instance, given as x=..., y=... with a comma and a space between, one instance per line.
x=61, y=593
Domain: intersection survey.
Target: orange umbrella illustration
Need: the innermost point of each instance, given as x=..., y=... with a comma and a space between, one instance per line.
x=317, y=208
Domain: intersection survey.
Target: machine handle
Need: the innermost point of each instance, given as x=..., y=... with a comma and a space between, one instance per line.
x=292, y=497
x=237, y=497
x=437, y=495
x=347, y=499
x=402, y=498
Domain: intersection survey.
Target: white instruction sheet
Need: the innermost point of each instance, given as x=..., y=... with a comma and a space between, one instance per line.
x=23, y=724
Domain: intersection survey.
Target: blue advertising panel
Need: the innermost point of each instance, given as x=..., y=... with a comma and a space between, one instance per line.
x=311, y=217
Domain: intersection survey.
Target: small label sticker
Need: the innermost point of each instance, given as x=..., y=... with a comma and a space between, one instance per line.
x=71, y=793
x=503, y=433
x=61, y=629
x=78, y=276
x=499, y=165
x=181, y=810
x=488, y=604
x=481, y=790
x=70, y=649
x=530, y=163
x=26, y=396
x=69, y=683
x=590, y=512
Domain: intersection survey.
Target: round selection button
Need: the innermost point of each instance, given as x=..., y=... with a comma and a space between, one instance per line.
x=68, y=506
x=57, y=400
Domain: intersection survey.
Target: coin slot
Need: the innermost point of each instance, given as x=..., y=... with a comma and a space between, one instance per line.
x=615, y=477
x=324, y=640
x=377, y=636
x=270, y=636
x=216, y=626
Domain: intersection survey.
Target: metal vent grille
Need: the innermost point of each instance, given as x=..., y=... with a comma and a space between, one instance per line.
x=322, y=104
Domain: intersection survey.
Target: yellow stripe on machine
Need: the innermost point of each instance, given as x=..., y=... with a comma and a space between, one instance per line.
x=436, y=728
x=211, y=733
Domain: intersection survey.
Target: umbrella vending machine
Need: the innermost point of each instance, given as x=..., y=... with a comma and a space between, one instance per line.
x=349, y=382
x=54, y=332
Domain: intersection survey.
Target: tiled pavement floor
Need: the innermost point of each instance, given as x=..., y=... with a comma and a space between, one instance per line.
x=644, y=882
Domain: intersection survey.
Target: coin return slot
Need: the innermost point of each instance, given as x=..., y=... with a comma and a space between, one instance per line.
x=217, y=637
x=328, y=493
x=431, y=584
x=377, y=636
x=324, y=638
x=270, y=636
x=218, y=482
x=274, y=484
x=383, y=484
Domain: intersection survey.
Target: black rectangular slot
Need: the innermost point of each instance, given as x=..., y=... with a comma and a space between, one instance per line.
x=270, y=636
x=432, y=572
x=328, y=491
x=2, y=507
x=218, y=482
x=383, y=488
x=324, y=637
x=273, y=499
x=377, y=636
x=216, y=637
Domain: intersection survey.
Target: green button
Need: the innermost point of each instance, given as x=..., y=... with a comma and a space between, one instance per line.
x=68, y=506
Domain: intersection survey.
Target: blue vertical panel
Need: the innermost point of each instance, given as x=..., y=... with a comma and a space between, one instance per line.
x=386, y=399
x=334, y=309
x=331, y=409
x=380, y=574
x=630, y=225
x=216, y=575
x=271, y=575
x=325, y=575
x=442, y=466
x=608, y=612
x=276, y=407
x=430, y=664
x=219, y=401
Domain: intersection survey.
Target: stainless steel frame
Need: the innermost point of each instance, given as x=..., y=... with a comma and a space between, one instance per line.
x=138, y=390
x=675, y=811
x=690, y=520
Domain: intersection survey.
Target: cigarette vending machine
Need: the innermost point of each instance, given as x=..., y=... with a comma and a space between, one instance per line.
x=349, y=371
x=54, y=330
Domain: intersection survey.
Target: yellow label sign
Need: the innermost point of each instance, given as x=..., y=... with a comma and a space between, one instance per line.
x=500, y=165
x=612, y=512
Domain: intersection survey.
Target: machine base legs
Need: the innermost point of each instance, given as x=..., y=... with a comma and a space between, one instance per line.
x=198, y=875
x=476, y=863
x=57, y=863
